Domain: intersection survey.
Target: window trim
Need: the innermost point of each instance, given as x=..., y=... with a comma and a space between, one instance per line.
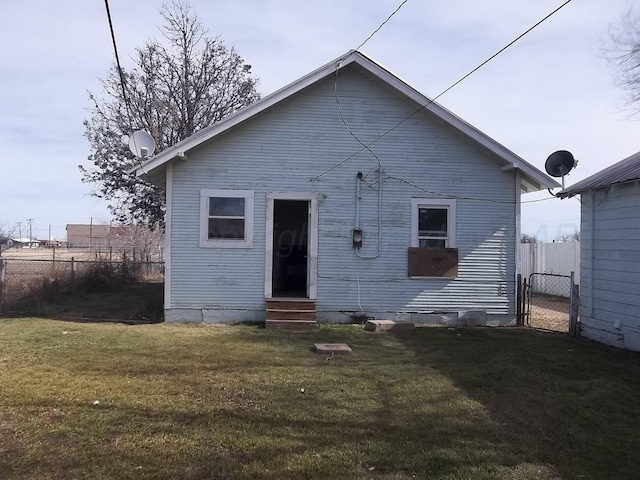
x=444, y=203
x=205, y=241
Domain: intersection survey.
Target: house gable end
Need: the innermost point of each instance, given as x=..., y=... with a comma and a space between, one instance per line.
x=532, y=179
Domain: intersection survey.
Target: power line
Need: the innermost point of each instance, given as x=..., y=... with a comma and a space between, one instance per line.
x=432, y=100
x=459, y=197
x=115, y=50
x=125, y=99
x=381, y=25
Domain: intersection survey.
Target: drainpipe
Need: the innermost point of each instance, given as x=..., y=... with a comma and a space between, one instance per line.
x=358, y=179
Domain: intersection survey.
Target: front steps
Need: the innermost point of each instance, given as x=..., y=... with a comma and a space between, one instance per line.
x=291, y=313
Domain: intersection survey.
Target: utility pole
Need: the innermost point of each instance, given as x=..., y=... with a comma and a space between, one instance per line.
x=19, y=229
x=30, y=220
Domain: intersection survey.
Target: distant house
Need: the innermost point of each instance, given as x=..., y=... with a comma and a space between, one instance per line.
x=25, y=242
x=610, y=253
x=279, y=212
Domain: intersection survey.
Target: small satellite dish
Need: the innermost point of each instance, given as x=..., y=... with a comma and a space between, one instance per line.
x=141, y=144
x=559, y=164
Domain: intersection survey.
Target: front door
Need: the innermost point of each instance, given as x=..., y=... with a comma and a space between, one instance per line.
x=291, y=246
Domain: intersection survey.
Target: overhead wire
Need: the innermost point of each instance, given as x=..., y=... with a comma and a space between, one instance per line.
x=125, y=97
x=335, y=87
x=459, y=197
x=457, y=82
x=381, y=25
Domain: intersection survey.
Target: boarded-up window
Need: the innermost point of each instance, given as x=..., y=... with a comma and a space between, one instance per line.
x=432, y=262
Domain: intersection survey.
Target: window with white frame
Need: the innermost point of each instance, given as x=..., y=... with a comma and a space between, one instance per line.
x=226, y=218
x=433, y=223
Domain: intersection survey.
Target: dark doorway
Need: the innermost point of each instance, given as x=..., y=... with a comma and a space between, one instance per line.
x=290, y=247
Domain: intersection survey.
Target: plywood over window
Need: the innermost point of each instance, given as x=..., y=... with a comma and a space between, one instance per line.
x=432, y=262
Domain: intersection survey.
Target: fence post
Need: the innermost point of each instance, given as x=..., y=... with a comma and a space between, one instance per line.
x=53, y=259
x=2, y=277
x=73, y=275
x=518, y=300
x=574, y=311
x=525, y=304
x=124, y=267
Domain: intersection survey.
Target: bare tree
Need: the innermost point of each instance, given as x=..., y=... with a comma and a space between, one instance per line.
x=6, y=233
x=526, y=238
x=568, y=237
x=178, y=86
x=623, y=54
x=146, y=243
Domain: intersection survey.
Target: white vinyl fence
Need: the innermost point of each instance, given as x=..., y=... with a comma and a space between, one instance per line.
x=560, y=258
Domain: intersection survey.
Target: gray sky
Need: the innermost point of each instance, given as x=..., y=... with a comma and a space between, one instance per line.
x=549, y=91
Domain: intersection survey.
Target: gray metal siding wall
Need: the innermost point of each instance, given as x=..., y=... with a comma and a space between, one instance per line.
x=610, y=304
x=284, y=148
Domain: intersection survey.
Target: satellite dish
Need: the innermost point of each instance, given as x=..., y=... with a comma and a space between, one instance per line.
x=559, y=163
x=141, y=144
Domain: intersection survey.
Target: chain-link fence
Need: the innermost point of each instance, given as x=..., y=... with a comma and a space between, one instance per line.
x=27, y=284
x=549, y=301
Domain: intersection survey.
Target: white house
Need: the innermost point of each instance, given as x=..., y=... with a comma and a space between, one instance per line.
x=610, y=253
x=346, y=192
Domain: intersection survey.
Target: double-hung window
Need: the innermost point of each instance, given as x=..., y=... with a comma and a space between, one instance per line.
x=226, y=218
x=433, y=223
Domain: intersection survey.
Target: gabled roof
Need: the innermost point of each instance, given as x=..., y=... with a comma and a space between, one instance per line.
x=532, y=178
x=627, y=170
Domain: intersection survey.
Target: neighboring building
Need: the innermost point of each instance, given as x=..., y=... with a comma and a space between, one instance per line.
x=610, y=253
x=272, y=202
x=88, y=236
x=25, y=242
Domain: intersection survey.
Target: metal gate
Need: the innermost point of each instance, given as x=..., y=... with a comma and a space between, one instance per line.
x=550, y=302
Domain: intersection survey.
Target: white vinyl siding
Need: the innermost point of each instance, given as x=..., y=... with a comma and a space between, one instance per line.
x=226, y=218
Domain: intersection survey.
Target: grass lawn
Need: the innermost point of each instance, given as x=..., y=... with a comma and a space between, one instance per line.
x=164, y=401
